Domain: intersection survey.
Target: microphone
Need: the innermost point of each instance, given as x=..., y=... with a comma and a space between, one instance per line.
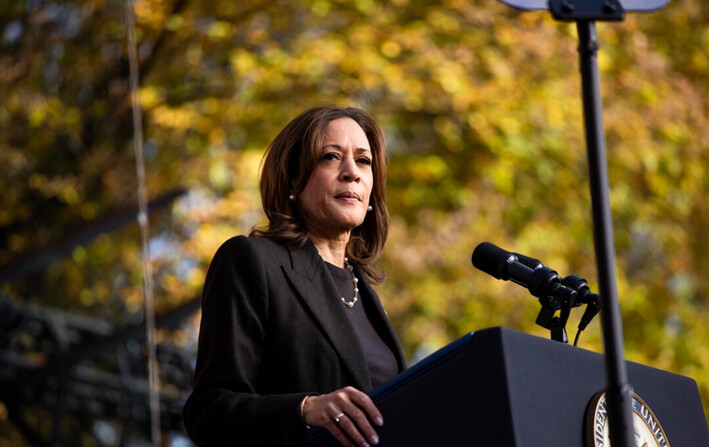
x=577, y=284
x=529, y=262
x=541, y=281
x=544, y=283
x=593, y=301
x=582, y=289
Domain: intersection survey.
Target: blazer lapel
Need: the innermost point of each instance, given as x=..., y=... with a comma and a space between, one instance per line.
x=309, y=276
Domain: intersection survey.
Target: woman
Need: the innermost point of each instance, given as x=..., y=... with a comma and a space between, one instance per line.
x=292, y=333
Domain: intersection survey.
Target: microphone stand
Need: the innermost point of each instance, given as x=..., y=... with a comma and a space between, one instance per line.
x=585, y=13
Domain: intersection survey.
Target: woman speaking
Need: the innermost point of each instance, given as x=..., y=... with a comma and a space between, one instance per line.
x=292, y=333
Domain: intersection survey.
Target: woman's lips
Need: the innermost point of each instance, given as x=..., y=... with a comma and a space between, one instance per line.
x=348, y=196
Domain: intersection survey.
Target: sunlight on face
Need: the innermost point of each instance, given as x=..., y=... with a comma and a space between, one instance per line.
x=336, y=196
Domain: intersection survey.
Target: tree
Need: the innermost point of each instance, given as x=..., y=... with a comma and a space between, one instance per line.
x=481, y=106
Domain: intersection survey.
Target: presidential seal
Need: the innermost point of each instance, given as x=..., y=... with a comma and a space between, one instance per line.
x=646, y=428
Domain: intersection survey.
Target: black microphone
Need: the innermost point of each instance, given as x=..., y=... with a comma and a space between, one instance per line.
x=542, y=282
x=593, y=301
x=574, y=282
x=500, y=264
x=529, y=262
x=583, y=290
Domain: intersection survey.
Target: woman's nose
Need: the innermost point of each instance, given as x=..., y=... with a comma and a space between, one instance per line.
x=349, y=171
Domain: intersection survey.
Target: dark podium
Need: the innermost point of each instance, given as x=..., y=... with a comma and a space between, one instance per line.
x=499, y=387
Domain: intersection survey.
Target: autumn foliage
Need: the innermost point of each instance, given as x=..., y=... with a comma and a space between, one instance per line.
x=481, y=105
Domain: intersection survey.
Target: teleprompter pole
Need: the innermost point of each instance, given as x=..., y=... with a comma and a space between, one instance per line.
x=585, y=13
x=618, y=392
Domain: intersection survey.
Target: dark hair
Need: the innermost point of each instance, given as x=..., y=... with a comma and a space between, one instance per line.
x=287, y=166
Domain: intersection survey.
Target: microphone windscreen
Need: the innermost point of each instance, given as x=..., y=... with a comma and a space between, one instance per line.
x=491, y=259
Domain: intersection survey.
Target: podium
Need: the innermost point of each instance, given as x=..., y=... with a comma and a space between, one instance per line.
x=500, y=387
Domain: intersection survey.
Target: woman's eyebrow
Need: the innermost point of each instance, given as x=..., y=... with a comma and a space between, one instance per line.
x=337, y=146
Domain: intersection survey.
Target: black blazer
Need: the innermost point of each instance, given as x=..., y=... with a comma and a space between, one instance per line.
x=273, y=330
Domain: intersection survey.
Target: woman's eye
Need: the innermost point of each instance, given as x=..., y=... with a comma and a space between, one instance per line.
x=365, y=161
x=330, y=156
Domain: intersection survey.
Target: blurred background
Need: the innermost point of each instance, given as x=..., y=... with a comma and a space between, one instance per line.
x=481, y=106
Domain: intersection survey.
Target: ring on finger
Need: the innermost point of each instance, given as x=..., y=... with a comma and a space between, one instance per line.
x=338, y=417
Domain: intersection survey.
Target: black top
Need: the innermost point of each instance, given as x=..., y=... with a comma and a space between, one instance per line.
x=380, y=358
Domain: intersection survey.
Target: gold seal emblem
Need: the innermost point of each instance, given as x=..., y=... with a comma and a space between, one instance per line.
x=647, y=430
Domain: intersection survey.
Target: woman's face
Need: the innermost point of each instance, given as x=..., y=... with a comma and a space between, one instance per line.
x=336, y=196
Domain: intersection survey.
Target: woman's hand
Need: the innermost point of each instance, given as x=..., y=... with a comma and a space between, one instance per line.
x=346, y=413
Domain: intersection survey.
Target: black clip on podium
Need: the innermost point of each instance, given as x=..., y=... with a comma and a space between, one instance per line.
x=585, y=13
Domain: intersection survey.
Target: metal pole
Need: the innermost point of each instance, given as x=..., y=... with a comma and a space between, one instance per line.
x=618, y=393
x=153, y=375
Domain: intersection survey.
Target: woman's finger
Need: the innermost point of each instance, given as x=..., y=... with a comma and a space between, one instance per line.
x=364, y=402
x=357, y=426
x=339, y=434
x=343, y=423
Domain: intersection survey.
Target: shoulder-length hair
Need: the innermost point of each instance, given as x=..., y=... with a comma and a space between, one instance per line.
x=287, y=165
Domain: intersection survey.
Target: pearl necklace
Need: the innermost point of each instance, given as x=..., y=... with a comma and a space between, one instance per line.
x=349, y=267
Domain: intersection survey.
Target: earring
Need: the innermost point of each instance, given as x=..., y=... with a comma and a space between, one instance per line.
x=369, y=208
x=291, y=198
